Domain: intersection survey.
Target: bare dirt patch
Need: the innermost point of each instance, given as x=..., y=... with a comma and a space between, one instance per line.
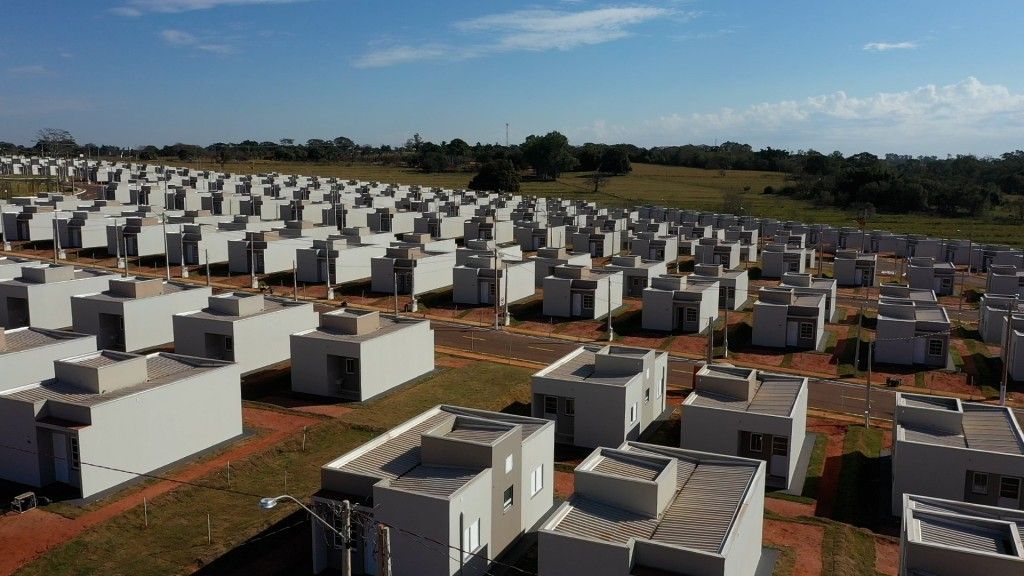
x=804, y=539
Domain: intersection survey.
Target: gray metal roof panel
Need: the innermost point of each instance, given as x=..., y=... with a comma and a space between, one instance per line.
x=992, y=429
x=963, y=534
x=434, y=480
x=702, y=513
x=596, y=521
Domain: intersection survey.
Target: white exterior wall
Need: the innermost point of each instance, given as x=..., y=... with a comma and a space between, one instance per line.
x=49, y=305
x=147, y=321
x=36, y=364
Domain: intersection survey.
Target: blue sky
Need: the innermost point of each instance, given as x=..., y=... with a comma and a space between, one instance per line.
x=919, y=77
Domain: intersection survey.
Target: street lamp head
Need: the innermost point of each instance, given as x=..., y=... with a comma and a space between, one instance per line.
x=268, y=503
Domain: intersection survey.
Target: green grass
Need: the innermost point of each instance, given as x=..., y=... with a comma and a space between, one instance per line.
x=11, y=186
x=786, y=563
x=816, y=465
x=176, y=540
x=483, y=385
x=857, y=499
x=847, y=551
x=672, y=186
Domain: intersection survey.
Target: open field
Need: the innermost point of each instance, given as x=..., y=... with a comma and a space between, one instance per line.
x=11, y=186
x=676, y=186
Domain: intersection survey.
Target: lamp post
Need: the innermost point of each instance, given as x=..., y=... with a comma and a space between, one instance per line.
x=344, y=533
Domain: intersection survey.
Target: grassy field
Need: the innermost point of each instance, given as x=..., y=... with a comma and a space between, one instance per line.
x=677, y=186
x=11, y=186
x=175, y=542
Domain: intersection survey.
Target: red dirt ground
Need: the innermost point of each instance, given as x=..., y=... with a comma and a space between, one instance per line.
x=788, y=508
x=25, y=537
x=564, y=483
x=836, y=433
x=804, y=539
x=887, y=556
x=815, y=362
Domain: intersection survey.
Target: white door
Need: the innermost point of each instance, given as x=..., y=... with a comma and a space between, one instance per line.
x=577, y=304
x=485, y=293
x=60, y=457
x=779, y=465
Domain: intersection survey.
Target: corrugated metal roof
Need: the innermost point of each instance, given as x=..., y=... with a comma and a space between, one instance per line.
x=395, y=456
x=775, y=397
x=434, y=480
x=927, y=436
x=597, y=521
x=475, y=432
x=580, y=368
x=28, y=338
x=618, y=465
x=961, y=534
x=98, y=360
x=703, y=511
x=991, y=428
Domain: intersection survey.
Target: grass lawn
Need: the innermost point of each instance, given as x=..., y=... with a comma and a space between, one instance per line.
x=176, y=540
x=786, y=563
x=847, y=551
x=857, y=497
x=816, y=465
x=11, y=186
x=670, y=186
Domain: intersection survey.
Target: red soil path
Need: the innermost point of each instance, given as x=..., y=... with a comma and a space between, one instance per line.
x=25, y=537
x=804, y=539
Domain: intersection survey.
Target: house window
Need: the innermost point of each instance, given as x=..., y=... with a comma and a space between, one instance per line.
x=570, y=407
x=588, y=301
x=632, y=413
x=756, y=442
x=509, y=463
x=76, y=455
x=935, y=347
x=537, y=480
x=550, y=405
x=229, y=343
x=979, y=483
x=470, y=539
x=350, y=365
x=691, y=314
x=780, y=446
x=806, y=331
x=647, y=394
x=1009, y=487
x=507, y=498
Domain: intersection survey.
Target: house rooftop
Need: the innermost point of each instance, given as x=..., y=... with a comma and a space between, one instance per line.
x=341, y=332
x=971, y=528
x=161, y=368
x=269, y=306
x=709, y=491
x=982, y=427
x=774, y=394
x=581, y=366
x=28, y=338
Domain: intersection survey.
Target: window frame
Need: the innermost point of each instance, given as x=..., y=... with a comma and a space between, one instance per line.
x=508, y=498
x=350, y=366
x=75, y=451
x=510, y=463
x=585, y=299
x=760, y=443
x=471, y=539
x=229, y=344
x=537, y=480
x=633, y=413
x=690, y=315
x=810, y=329
x=1014, y=480
x=550, y=400
x=932, y=342
x=569, y=407
x=975, y=486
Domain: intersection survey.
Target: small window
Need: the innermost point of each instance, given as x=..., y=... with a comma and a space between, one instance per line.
x=647, y=394
x=76, y=455
x=550, y=405
x=570, y=407
x=1009, y=487
x=979, y=483
x=229, y=344
x=507, y=498
x=537, y=480
x=756, y=443
x=471, y=539
x=691, y=314
x=806, y=331
x=780, y=446
x=509, y=463
x=588, y=301
x=632, y=413
x=350, y=365
x=935, y=347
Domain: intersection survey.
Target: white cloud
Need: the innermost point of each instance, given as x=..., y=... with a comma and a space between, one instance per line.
x=524, y=30
x=889, y=46
x=134, y=8
x=966, y=116
x=30, y=70
x=182, y=38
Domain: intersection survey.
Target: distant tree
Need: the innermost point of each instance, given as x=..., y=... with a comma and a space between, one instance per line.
x=496, y=175
x=344, y=143
x=597, y=181
x=55, y=141
x=148, y=153
x=549, y=155
x=415, y=142
x=433, y=161
x=615, y=161
x=287, y=141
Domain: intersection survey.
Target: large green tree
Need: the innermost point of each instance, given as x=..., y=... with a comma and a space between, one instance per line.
x=498, y=176
x=549, y=155
x=615, y=161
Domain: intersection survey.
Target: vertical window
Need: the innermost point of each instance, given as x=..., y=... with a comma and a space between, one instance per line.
x=350, y=365
x=229, y=343
x=756, y=442
x=508, y=497
x=537, y=480
x=780, y=446
x=570, y=407
x=76, y=455
x=1009, y=487
x=691, y=314
x=509, y=463
x=550, y=405
x=935, y=347
x=632, y=413
x=647, y=394
x=471, y=539
x=979, y=483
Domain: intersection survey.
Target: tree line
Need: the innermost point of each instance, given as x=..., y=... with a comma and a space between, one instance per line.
x=956, y=185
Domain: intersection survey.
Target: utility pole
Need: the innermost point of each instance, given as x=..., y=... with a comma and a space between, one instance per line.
x=384, y=550
x=181, y=250
x=711, y=339
x=396, y=292
x=206, y=254
x=252, y=261
x=508, y=318
x=346, y=531
x=506, y=134
x=167, y=257
x=1006, y=356
x=867, y=396
x=860, y=324
x=295, y=283
x=494, y=287
x=725, y=333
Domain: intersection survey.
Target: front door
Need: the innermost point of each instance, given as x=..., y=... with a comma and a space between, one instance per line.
x=60, y=457
x=485, y=292
x=779, y=465
x=577, y=304
x=1009, y=492
x=865, y=278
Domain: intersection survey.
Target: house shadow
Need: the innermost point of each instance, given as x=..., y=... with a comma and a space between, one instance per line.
x=282, y=548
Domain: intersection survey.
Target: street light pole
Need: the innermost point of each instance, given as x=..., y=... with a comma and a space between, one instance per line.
x=346, y=528
x=167, y=257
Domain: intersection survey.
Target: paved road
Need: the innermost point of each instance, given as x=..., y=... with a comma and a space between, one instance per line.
x=823, y=394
